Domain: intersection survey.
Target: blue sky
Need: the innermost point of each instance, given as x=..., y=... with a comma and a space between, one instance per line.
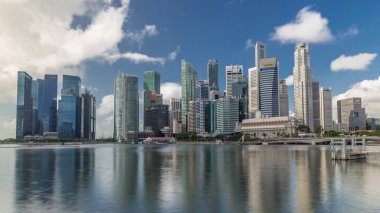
x=194, y=30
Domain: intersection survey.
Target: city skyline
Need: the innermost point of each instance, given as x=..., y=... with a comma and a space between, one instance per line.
x=338, y=40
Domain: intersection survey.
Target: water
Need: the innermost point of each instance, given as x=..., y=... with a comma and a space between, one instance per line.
x=185, y=178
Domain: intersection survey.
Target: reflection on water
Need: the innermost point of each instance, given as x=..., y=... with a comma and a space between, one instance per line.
x=185, y=178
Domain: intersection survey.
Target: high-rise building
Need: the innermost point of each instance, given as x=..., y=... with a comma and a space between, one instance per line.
x=253, y=91
x=232, y=72
x=203, y=90
x=156, y=118
x=152, y=90
x=316, y=104
x=303, y=95
x=240, y=92
x=88, y=115
x=227, y=114
x=189, y=78
x=24, y=105
x=48, y=109
x=192, y=116
x=69, y=111
x=268, y=87
x=351, y=115
x=213, y=74
x=325, y=98
x=260, y=53
x=35, y=121
x=174, y=111
x=201, y=105
x=284, y=98
x=126, y=106
x=213, y=116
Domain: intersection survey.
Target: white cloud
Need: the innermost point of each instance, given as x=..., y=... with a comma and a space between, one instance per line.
x=105, y=113
x=368, y=91
x=308, y=26
x=139, y=36
x=352, y=31
x=357, y=62
x=170, y=90
x=249, y=44
x=173, y=55
x=8, y=126
x=289, y=80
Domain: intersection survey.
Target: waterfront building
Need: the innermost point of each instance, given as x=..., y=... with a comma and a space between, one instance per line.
x=351, y=114
x=203, y=90
x=126, y=106
x=47, y=112
x=192, y=116
x=240, y=92
x=24, y=105
x=227, y=115
x=213, y=116
x=35, y=120
x=156, y=118
x=326, y=109
x=316, y=103
x=373, y=123
x=232, y=72
x=303, y=95
x=69, y=111
x=253, y=91
x=177, y=127
x=268, y=87
x=152, y=91
x=268, y=127
x=189, y=77
x=213, y=74
x=174, y=111
x=284, y=98
x=88, y=115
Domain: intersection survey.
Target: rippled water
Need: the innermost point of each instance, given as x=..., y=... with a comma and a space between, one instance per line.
x=185, y=178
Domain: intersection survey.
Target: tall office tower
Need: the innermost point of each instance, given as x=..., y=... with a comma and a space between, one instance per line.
x=189, y=78
x=284, y=98
x=88, y=115
x=152, y=90
x=126, y=105
x=213, y=120
x=69, y=111
x=316, y=104
x=24, y=105
x=303, y=95
x=253, y=80
x=227, y=114
x=268, y=87
x=40, y=104
x=48, y=111
x=203, y=90
x=35, y=121
x=156, y=118
x=192, y=116
x=240, y=92
x=213, y=74
x=174, y=111
x=351, y=115
x=232, y=72
x=202, y=97
x=325, y=98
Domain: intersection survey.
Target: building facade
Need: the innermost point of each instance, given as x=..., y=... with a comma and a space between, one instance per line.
x=283, y=98
x=316, y=102
x=268, y=87
x=351, y=115
x=213, y=74
x=325, y=97
x=189, y=78
x=232, y=72
x=48, y=109
x=24, y=109
x=303, y=95
x=126, y=106
x=88, y=115
x=227, y=115
x=174, y=111
x=152, y=91
x=156, y=118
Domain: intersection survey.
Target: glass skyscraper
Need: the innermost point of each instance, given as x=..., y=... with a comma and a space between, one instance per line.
x=69, y=111
x=152, y=86
x=126, y=105
x=212, y=74
x=48, y=103
x=24, y=105
x=189, y=78
x=88, y=115
x=268, y=87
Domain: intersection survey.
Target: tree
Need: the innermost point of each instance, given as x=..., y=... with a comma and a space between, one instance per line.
x=318, y=130
x=303, y=128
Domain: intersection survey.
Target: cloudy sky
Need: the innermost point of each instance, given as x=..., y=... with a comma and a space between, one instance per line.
x=97, y=38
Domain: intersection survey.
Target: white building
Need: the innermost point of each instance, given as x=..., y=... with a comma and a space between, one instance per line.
x=268, y=127
x=303, y=96
x=326, y=109
x=284, y=98
x=232, y=72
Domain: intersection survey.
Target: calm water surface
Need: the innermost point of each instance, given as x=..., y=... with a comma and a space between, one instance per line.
x=185, y=178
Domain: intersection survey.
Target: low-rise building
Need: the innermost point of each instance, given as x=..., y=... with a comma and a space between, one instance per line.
x=269, y=127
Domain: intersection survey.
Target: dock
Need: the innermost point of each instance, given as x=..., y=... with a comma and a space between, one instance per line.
x=340, y=150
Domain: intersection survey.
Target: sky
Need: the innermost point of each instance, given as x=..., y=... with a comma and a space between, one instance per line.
x=95, y=39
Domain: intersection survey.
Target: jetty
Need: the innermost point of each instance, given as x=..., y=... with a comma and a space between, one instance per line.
x=340, y=150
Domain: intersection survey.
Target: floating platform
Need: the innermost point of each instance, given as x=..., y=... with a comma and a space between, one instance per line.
x=341, y=151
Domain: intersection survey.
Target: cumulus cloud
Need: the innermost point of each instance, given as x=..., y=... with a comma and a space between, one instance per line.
x=173, y=55
x=8, y=126
x=308, y=26
x=139, y=36
x=170, y=90
x=357, y=62
x=249, y=44
x=368, y=91
x=105, y=113
x=289, y=80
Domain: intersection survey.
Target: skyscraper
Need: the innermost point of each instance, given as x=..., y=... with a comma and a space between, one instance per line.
x=126, y=105
x=174, y=111
x=232, y=72
x=24, y=105
x=156, y=118
x=316, y=104
x=268, y=87
x=152, y=86
x=240, y=92
x=213, y=74
x=351, y=115
x=303, y=95
x=48, y=111
x=35, y=121
x=260, y=53
x=88, y=115
x=326, y=109
x=227, y=114
x=284, y=98
x=189, y=77
x=69, y=111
